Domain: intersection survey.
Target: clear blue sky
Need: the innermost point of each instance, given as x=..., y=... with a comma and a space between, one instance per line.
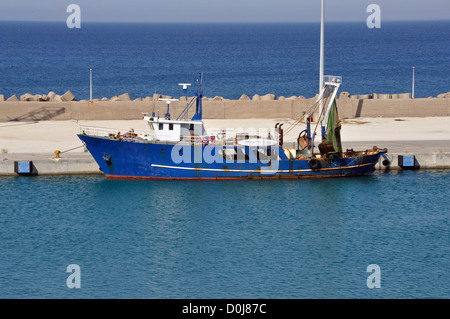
x=222, y=10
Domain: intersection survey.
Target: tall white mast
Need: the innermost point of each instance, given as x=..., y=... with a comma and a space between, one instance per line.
x=322, y=58
x=90, y=84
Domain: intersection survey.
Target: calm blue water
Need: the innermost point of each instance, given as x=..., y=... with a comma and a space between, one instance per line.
x=236, y=58
x=231, y=239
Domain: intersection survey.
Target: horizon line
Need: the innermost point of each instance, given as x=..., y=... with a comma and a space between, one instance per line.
x=226, y=22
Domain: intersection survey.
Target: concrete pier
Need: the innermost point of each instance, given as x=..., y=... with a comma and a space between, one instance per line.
x=48, y=164
x=430, y=160
x=84, y=164
x=427, y=154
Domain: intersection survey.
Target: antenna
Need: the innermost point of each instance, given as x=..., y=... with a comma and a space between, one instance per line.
x=153, y=113
x=168, y=101
x=322, y=50
x=184, y=85
x=90, y=84
x=198, y=99
x=322, y=62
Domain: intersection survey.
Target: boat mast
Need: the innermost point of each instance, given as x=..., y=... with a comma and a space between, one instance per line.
x=199, y=94
x=320, y=102
x=198, y=99
x=90, y=85
x=322, y=59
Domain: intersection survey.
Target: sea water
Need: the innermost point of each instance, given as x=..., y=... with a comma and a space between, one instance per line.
x=236, y=59
x=226, y=239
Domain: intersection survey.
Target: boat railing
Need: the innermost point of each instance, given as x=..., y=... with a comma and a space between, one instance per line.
x=202, y=140
x=191, y=139
x=215, y=139
x=98, y=131
x=224, y=141
x=112, y=132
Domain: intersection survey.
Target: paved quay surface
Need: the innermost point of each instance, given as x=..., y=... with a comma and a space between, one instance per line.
x=428, y=139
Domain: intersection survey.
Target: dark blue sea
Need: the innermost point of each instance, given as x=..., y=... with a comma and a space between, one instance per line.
x=225, y=239
x=235, y=59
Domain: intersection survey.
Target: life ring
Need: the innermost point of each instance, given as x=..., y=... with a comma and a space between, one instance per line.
x=314, y=163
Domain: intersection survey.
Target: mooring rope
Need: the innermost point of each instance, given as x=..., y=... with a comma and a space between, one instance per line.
x=71, y=149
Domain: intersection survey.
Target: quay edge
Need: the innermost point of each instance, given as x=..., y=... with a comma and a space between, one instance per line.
x=84, y=163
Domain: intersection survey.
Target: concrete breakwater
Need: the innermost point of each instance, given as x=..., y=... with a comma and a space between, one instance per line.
x=52, y=106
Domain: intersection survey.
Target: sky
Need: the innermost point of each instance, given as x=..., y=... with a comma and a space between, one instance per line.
x=222, y=11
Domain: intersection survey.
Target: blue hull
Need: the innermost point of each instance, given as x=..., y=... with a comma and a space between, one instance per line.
x=125, y=159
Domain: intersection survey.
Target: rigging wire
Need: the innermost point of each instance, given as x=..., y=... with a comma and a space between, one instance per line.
x=325, y=96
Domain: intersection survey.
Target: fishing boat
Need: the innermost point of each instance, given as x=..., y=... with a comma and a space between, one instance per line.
x=181, y=148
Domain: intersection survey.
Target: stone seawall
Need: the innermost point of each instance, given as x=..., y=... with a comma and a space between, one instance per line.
x=219, y=108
